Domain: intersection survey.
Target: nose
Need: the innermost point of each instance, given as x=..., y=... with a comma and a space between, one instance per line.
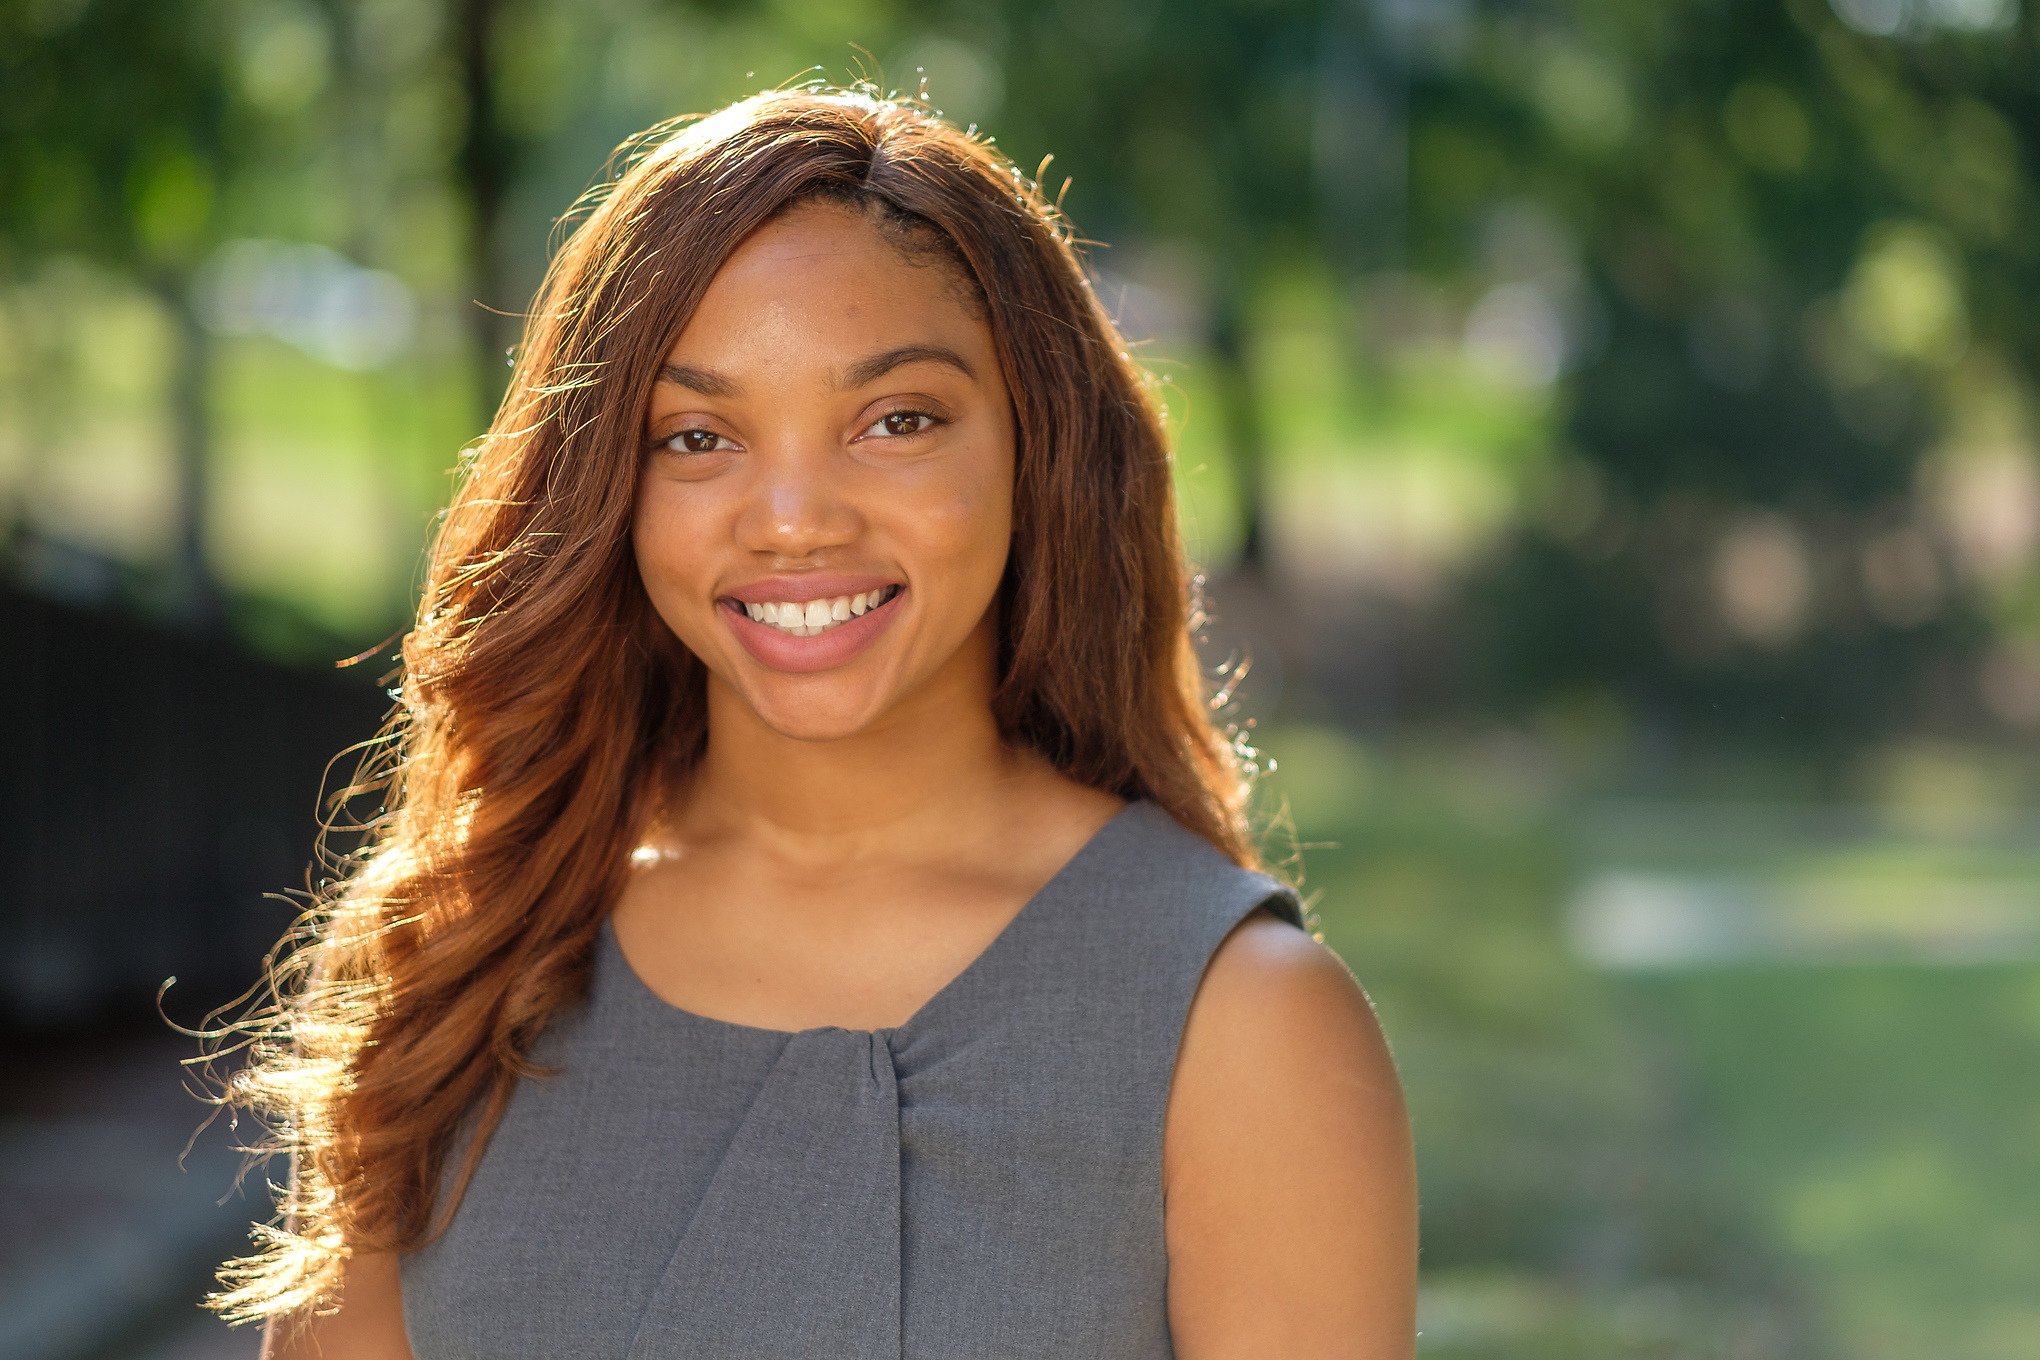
x=797, y=504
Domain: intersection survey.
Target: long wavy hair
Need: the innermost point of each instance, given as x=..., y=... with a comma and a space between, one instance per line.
x=543, y=702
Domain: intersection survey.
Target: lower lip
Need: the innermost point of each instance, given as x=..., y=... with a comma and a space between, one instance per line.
x=783, y=651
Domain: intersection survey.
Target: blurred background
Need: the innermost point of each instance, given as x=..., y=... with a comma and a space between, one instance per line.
x=1608, y=429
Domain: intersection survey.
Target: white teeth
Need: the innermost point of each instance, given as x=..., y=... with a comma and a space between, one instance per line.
x=817, y=616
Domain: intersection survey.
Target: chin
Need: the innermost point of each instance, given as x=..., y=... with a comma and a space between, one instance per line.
x=815, y=712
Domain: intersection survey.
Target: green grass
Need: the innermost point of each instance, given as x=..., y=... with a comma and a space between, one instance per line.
x=327, y=482
x=1736, y=1161
x=1883, y=1124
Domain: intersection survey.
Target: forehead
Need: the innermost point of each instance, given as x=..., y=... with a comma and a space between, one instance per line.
x=828, y=273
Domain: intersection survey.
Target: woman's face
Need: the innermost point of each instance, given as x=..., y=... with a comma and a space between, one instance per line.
x=825, y=512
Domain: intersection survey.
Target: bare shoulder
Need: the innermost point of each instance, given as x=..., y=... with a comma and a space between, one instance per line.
x=1267, y=963
x=1281, y=1018
x=1290, y=1183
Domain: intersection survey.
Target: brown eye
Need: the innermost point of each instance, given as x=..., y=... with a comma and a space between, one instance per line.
x=695, y=441
x=906, y=422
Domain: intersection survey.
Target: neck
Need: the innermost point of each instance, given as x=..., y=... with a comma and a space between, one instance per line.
x=935, y=759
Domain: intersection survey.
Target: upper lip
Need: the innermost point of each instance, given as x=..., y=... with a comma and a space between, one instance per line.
x=801, y=589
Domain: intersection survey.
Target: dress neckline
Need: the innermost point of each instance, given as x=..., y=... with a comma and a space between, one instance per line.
x=1033, y=908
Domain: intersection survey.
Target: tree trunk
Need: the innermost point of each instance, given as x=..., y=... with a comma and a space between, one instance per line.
x=195, y=588
x=1239, y=398
x=486, y=159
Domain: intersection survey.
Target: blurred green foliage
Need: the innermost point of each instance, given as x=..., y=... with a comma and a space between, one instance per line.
x=1666, y=356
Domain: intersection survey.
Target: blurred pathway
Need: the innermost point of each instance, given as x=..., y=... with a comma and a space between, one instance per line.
x=203, y=1339
x=106, y=1243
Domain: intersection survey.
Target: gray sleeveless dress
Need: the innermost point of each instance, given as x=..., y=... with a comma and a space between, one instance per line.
x=980, y=1183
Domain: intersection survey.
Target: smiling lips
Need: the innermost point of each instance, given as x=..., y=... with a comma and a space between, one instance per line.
x=811, y=635
x=817, y=616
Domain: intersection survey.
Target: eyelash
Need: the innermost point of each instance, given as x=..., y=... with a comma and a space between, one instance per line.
x=670, y=441
x=929, y=416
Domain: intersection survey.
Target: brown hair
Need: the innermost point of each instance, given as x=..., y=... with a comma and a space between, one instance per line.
x=543, y=700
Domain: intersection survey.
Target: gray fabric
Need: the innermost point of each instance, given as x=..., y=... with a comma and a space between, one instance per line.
x=980, y=1183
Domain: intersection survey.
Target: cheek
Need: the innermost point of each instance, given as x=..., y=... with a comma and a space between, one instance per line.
x=666, y=543
x=966, y=520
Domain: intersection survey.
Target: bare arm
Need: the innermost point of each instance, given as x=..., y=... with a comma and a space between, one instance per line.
x=1287, y=1165
x=368, y=1326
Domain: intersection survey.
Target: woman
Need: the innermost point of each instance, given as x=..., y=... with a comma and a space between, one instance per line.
x=814, y=916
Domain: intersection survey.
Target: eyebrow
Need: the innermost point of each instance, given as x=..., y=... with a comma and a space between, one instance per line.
x=712, y=384
x=878, y=365
x=700, y=380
